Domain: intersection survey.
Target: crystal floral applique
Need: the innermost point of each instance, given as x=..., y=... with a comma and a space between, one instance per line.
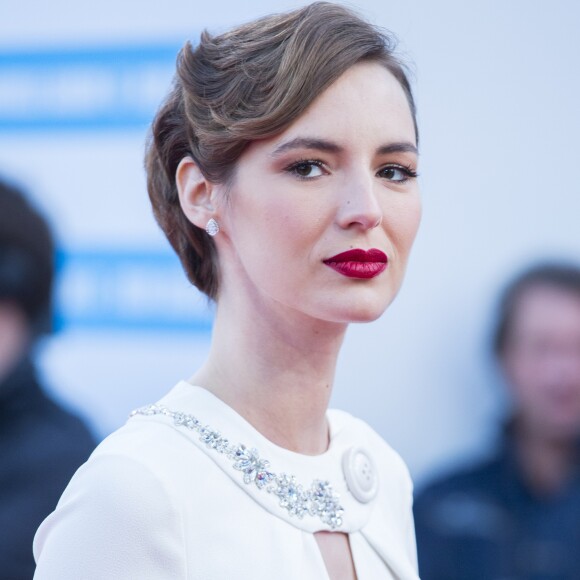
x=319, y=500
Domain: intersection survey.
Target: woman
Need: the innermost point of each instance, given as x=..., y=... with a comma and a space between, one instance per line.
x=282, y=168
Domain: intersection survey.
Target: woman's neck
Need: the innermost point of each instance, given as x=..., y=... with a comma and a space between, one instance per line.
x=276, y=369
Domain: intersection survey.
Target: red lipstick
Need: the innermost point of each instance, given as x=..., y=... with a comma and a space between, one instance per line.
x=359, y=263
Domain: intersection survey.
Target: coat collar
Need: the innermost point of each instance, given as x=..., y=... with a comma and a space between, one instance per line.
x=306, y=491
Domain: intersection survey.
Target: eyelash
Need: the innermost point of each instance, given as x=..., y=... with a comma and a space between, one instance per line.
x=407, y=170
x=292, y=168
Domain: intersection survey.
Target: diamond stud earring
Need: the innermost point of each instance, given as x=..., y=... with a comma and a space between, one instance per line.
x=212, y=227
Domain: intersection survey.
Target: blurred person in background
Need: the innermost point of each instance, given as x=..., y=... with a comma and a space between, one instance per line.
x=517, y=515
x=41, y=444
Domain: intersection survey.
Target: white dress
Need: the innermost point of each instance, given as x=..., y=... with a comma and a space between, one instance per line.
x=166, y=498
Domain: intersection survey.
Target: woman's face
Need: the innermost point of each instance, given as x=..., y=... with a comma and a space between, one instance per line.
x=342, y=177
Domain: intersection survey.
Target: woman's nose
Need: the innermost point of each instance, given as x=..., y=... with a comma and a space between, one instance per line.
x=359, y=207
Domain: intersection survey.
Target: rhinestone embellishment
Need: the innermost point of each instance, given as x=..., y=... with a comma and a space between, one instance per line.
x=319, y=500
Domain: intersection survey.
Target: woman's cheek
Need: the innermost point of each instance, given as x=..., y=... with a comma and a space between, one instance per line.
x=299, y=220
x=411, y=218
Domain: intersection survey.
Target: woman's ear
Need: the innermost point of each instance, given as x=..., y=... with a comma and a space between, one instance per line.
x=195, y=193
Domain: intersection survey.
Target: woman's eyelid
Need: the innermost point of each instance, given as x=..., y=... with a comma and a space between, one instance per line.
x=400, y=176
x=409, y=169
x=398, y=160
x=312, y=162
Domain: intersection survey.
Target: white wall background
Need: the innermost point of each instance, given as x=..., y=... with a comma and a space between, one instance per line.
x=497, y=86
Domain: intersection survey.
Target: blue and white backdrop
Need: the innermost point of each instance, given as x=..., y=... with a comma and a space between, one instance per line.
x=498, y=88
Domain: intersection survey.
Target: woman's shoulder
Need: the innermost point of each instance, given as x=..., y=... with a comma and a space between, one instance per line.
x=152, y=439
x=145, y=449
x=144, y=439
x=123, y=509
x=118, y=513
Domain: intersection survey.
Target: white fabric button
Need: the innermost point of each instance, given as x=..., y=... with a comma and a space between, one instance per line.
x=360, y=473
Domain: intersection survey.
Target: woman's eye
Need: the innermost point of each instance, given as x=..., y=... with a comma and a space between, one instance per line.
x=307, y=169
x=397, y=173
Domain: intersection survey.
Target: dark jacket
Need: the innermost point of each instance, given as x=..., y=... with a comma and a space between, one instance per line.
x=485, y=523
x=41, y=446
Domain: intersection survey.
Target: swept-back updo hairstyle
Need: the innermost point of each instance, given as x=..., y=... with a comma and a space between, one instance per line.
x=249, y=83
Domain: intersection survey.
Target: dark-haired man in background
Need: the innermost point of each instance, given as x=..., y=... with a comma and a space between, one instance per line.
x=517, y=516
x=41, y=444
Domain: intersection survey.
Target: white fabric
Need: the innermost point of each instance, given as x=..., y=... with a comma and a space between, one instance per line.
x=153, y=502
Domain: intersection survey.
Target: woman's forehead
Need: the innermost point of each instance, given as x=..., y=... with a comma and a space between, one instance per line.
x=365, y=106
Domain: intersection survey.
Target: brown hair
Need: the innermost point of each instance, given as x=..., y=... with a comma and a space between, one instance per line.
x=249, y=83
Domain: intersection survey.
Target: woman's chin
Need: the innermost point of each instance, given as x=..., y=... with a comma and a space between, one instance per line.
x=361, y=312
x=366, y=316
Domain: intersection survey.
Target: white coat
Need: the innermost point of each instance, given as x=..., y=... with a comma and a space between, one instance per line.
x=155, y=502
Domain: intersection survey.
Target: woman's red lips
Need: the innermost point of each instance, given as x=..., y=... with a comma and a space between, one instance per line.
x=359, y=263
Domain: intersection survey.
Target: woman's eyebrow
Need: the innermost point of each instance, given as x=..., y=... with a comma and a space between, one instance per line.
x=398, y=147
x=307, y=143
x=330, y=147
